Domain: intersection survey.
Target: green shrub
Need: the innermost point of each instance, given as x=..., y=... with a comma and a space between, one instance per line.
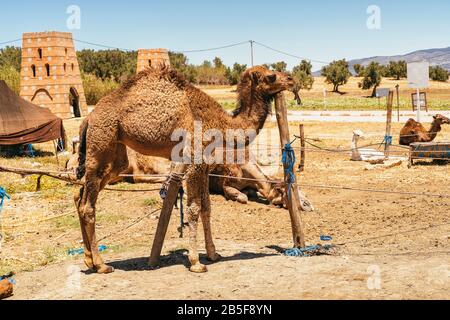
x=11, y=77
x=96, y=88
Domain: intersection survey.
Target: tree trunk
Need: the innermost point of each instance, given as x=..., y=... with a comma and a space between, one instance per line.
x=374, y=92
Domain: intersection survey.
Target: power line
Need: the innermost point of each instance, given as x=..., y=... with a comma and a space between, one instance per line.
x=214, y=49
x=289, y=54
x=10, y=41
x=102, y=45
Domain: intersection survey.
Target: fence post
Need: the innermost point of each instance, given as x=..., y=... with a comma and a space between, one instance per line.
x=292, y=189
x=175, y=181
x=388, y=137
x=301, y=166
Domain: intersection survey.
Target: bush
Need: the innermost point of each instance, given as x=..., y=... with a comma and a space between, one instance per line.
x=439, y=74
x=96, y=88
x=11, y=77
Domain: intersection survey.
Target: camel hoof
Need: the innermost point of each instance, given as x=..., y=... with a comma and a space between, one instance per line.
x=242, y=199
x=105, y=269
x=89, y=263
x=215, y=258
x=198, y=268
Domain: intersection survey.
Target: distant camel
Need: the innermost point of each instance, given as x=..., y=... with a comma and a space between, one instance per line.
x=414, y=131
x=143, y=114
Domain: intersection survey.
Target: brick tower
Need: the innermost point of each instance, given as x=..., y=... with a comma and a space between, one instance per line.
x=152, y=58
x=50, y=75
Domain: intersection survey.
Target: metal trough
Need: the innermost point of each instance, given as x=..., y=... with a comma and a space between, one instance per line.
x=429, y=150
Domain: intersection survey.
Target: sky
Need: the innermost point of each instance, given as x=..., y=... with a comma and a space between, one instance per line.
x=322, y=30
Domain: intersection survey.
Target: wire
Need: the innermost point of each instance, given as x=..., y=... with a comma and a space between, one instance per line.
x=289, y=54
x=102, y=45
x=214, y=49
x=10, y=41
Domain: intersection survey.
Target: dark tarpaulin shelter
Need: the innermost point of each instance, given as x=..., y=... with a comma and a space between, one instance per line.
x=22, y=122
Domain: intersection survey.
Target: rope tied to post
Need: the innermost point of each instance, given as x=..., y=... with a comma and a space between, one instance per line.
x=388, y=140
x=288, y=159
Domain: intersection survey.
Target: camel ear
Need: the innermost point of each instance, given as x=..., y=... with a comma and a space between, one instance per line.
x=271, y=78
x=255, y=77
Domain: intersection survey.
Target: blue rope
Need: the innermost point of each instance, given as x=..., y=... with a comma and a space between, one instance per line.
x=10, y=279
x=388, y=140
x=3, y=195
x=74, y=252
x=305, y=252
x=288, y=160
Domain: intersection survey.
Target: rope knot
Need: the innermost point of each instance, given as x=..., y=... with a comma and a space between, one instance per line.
x=288, y=160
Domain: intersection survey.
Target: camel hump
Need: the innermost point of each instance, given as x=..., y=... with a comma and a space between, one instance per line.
x=411, y=122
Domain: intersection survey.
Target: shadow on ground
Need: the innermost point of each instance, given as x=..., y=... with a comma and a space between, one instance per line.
x=179, y=257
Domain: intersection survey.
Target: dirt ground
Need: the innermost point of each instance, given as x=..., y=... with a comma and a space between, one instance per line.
x=388, y=246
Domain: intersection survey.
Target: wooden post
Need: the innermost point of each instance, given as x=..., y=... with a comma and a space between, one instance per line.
x=175, y=182
x=398, y=102
x=301, y=166
x=390, y=101
x=294, y=200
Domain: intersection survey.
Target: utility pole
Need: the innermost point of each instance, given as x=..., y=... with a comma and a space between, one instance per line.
x=251, y=51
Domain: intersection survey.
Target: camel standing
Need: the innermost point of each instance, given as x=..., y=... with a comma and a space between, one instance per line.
x=414, y=131
x=143, y=114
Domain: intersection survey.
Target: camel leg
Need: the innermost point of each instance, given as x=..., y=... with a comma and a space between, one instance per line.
x=95, y=180
x=235, y=195
x=195, y=177
x=206, y=221
x=86, y=212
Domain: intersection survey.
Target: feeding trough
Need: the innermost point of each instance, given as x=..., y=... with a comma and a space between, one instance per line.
x=429, y=150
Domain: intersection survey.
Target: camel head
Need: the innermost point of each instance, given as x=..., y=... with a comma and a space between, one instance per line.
x=276, y=195
x=267, y=82
x=440, y=119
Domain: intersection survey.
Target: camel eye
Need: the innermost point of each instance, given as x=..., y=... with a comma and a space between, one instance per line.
x=271, y=78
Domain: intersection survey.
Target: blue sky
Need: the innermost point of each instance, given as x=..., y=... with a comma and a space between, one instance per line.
x=322, y=29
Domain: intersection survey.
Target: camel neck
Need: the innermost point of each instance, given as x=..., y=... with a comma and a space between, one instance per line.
x=253, y=110
x=434, y=130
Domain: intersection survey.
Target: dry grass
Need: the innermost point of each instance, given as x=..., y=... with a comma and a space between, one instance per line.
x=352, y=97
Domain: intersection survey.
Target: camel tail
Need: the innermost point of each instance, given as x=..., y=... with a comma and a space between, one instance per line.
x=81, y=170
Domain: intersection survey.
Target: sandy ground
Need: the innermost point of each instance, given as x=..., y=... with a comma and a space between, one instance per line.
x=388, y=246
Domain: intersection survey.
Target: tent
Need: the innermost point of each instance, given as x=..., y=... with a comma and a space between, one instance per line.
x=22, y=122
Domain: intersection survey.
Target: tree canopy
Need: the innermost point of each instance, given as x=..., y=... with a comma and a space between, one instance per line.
x=337, y=73
x=372, y=77
x=438, y=73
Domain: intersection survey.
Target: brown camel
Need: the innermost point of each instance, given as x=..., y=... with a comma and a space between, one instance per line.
x=143, y=114
x=414, y=131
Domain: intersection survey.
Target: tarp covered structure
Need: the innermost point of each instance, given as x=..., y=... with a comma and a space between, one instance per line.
x=22, y=122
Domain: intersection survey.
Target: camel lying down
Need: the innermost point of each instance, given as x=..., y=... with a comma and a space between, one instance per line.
x=247, y=180
x=414, y=131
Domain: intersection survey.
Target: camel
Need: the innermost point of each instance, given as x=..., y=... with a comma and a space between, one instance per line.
x=414, y=131
x=143, y=114
x=237, y=189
